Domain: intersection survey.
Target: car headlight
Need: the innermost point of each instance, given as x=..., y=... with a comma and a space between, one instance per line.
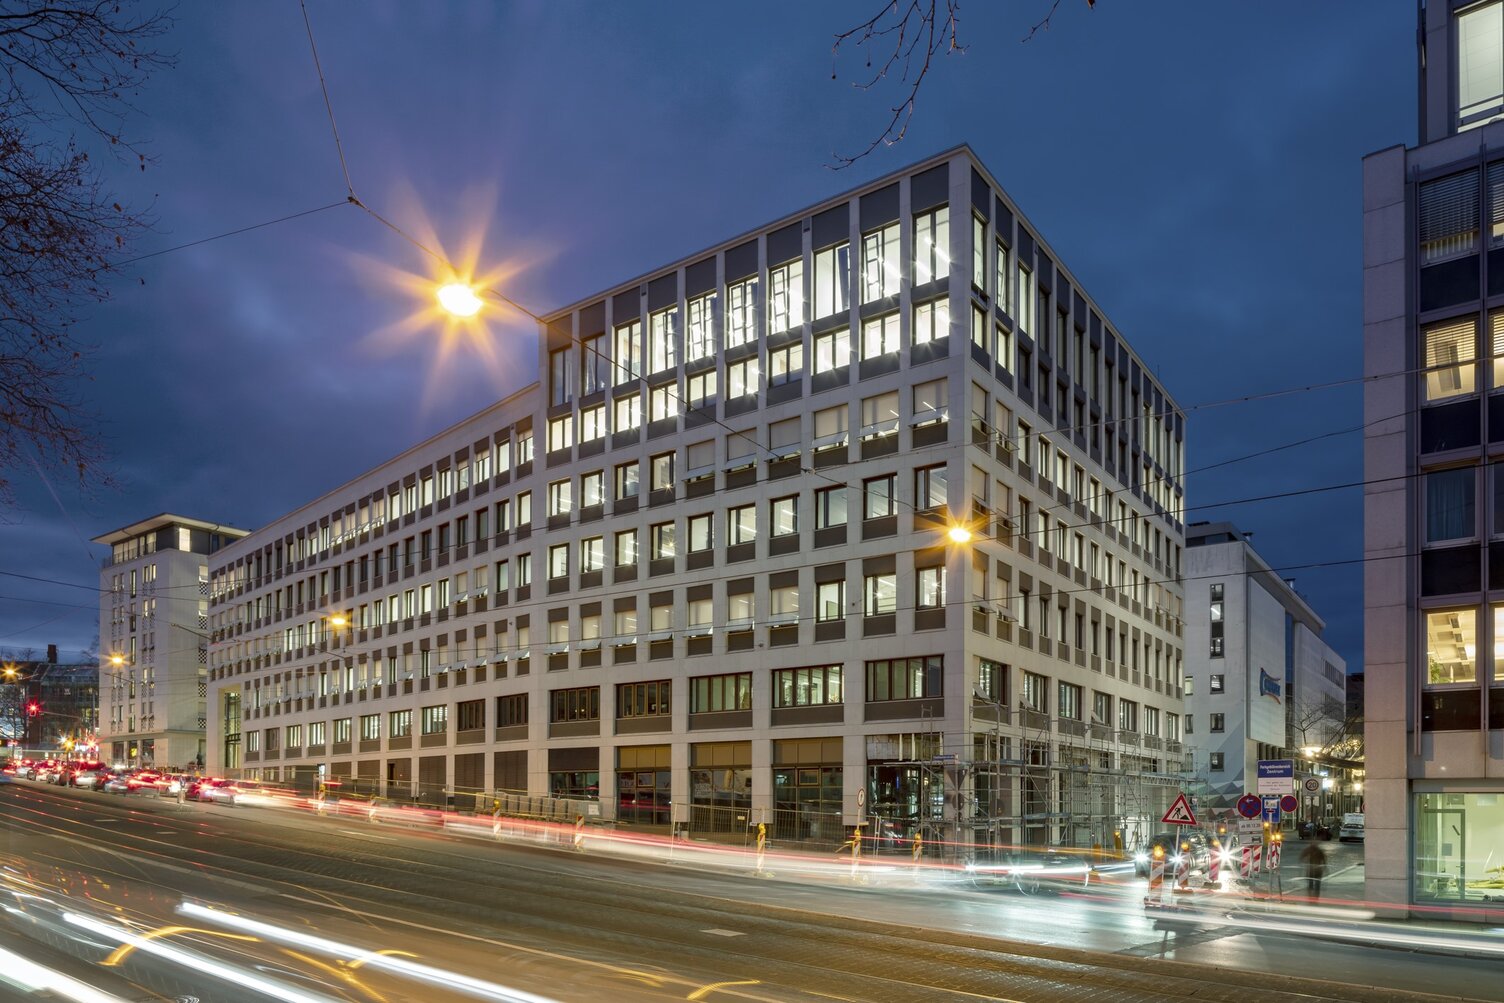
x=1176, y=860
x=1140, y=858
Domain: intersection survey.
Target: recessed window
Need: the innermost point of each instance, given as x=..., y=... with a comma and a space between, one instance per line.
x=712, y=694
x=741, y=524
x=1480, y=65
x=662, y=536
x=880, y=336
x=741, y=378
x=931, y=321
x=905, y=678
x=784, y=515
x=701, y=535
x=626, y=480
x=830, y=601
x=832, y=350
x=1219, y=723
x=741, y=312
x=880, y=594
x=832, y=280
x=1450, y=354
x=830, y=507
x=877, y=497
x=628, y=356
x=785, y=364
x=628, y=413
x=786, y=296
x=931, y=245
x=814, y=686
x=1217, y=683
x=1452, y=646
x=661, y=469
x=1451, y=504
x=1218, y=761
x=930, y=589
x=700, y=332
x=880, y=264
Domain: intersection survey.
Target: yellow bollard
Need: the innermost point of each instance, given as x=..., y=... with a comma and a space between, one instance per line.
x=579, y=832
x=918, y=848
x=762, y=842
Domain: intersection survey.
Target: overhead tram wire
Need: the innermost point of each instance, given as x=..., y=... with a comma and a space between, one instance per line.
x=573, y=522
x=747, y=435
x=328, y=105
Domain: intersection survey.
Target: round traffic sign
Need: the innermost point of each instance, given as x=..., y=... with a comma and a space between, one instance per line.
x=1250, y=805
x=1288, y=803
x=1312, y=785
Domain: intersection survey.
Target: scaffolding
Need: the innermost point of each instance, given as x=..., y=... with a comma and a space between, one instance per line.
x=1025, y=781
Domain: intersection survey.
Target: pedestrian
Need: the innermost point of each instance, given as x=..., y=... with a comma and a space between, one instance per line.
x=1314, y=858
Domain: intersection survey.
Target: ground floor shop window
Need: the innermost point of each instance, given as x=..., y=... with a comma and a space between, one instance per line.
x=643, y=796
x=807, y=802
x=575, y=784
x=1459, y=848
x=720, y=799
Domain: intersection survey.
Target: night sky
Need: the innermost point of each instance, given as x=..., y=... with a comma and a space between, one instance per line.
x=1196, y=165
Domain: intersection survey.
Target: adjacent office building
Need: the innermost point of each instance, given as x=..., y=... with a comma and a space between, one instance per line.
x=1433, y=279
x=873, y=499
x=1260, y=681
x=49, y=704
x=153, y=639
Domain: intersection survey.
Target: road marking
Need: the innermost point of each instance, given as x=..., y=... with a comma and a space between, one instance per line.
x=724, y=933
x=367, y=835
x=704, y=991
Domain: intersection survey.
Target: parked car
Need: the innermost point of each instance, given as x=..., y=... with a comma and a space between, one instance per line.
x=116, y=783
x=1191, y=843
x=1352, y=828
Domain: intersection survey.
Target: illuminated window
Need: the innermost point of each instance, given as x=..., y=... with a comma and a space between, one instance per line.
x=1450, y=350
x=785, y=296
x=1452, y=646
x=931, y=245
x=832, y=280
x=880, y=264
x=931, y=321
x=628, y=351
x=700, y=331
x=741, y=312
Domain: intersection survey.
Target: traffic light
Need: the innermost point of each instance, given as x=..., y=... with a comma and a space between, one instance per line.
x=33, y=709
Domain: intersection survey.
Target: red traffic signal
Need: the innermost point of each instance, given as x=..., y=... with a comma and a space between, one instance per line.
x=33, y=709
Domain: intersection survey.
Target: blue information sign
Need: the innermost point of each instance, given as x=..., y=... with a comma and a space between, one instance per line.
x=1271, y=809
x=1276, y=776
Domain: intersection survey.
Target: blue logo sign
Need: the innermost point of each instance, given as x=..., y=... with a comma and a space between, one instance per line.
x=1268, y=686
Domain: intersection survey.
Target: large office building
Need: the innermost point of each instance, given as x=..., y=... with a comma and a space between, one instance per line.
x=153, y=640
x=1260, y=681
x=1433, y=316
x=866, y=514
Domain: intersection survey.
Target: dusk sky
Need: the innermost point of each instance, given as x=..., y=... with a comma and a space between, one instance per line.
x=1196, y=165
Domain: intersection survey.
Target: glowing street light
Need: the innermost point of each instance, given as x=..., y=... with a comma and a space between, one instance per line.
x=459, y=299
x=11, y=672
x=959, y=534
x=117, y=660
x=338, y=620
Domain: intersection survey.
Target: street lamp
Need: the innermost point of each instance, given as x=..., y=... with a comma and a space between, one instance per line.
x=459, y=299
x=958, y=534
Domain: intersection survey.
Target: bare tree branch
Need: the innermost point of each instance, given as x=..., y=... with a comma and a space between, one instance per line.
x=65, y=65
x=907, y=37
x=902, y=39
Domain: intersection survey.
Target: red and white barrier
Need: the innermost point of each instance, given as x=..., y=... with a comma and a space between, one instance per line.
x=1250, y=862
x=1274, y=855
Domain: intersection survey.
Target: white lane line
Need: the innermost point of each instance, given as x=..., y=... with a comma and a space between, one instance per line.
x=724, y=933
x=362, y=832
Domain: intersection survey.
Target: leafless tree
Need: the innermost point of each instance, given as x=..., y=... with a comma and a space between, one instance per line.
x=899, y=44
x=68, y=71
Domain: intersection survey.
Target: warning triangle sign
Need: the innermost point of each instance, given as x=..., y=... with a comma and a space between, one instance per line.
x=1180, y=813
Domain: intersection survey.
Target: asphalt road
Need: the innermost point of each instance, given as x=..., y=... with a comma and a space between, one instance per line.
x=292, y=906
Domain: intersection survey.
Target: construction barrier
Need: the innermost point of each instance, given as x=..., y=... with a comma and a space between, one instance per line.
x=1274, y=854
x=1214, y=864
x=1156, y=877
x=1251, y=862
